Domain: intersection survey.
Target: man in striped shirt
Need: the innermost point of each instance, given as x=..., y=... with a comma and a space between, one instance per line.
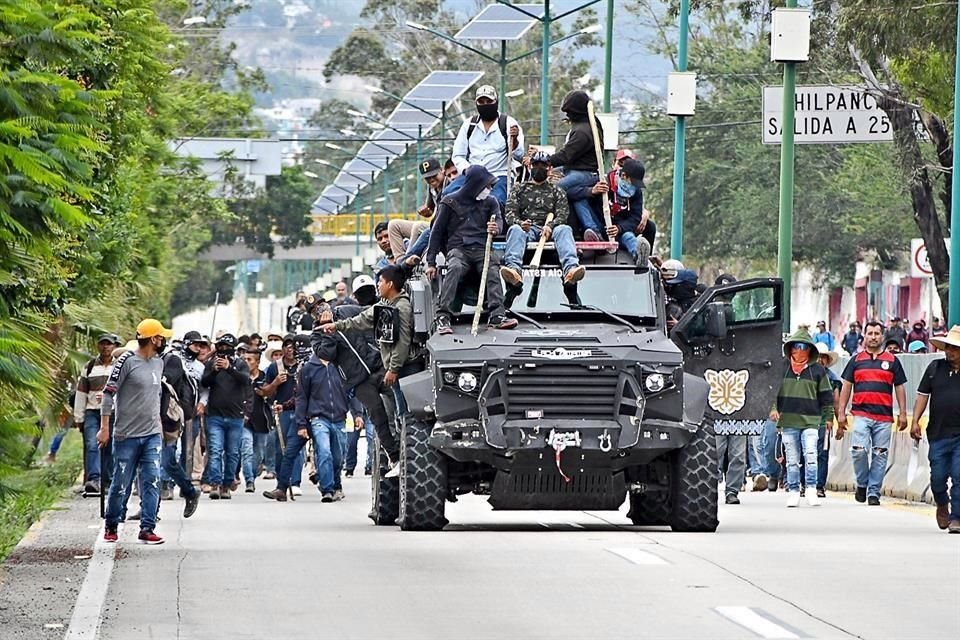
x=86, y=411
x=871, y=377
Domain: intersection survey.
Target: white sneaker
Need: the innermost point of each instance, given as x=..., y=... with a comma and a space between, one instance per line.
x=295, y=490
x=394, y=471
x=793, y=499
x=812, y=499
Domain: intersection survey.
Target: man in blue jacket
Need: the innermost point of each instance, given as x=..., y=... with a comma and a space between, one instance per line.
x=321, y=410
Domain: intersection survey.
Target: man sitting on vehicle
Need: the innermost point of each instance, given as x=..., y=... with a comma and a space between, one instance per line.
x=632, y=227
x=460, y=231
x=399, y=230
x=528, y=206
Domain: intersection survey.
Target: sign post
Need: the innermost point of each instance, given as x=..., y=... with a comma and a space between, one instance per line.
x=826, y=115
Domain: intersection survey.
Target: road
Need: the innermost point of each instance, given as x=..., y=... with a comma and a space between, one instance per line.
x=252, y=568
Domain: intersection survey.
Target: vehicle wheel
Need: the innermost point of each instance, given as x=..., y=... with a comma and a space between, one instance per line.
x=693, y=483
x=423, y=480
x=385, y=502
x=649, y=509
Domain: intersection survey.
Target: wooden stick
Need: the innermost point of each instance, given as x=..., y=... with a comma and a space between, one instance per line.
x=482, y=293
x=591, y=114
x=535, y=264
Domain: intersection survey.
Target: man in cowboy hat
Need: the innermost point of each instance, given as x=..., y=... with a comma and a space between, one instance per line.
x=940, y=388
x=804, y=404
x=827, y=358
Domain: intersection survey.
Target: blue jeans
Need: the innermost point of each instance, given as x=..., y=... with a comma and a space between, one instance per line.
x=223, y=449
x=289, y=433
x=328, y=452
x=944, y=459
x=768, y=449
x=799, y=443
x=499, y=191
x=582, y=208
x=419, y=247
x=353, y=442
x=517, y=240
x=57, y=440
x=171, y=465
x=129, y=456
x=91, y=425
x=823, y=459
x=755, y=456
x=870, y=436
x=253, y=453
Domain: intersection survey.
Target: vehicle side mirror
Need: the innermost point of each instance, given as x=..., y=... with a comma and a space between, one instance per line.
x=716, y=320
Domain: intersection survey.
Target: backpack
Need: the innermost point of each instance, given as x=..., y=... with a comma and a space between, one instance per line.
x=171, y=413
x=475, y=120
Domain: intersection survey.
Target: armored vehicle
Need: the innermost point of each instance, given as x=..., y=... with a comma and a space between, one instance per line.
x=592, y=401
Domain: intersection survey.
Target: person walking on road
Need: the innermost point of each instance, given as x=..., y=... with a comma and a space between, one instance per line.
x=86, y=413
x=181, y=388
x=362, y=428
x=804, y=404
x=257, y=424
x=896, y=333
x=228, y=380
x=940, y=389
x=871, y=378
x=280, y=389
x=822, y=336
x=852, y=339
x=132, y=397
x=827, y=358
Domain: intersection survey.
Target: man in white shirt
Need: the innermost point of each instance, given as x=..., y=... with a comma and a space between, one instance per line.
x=483, y=140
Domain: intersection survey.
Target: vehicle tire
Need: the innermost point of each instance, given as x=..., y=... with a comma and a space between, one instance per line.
x=423, y=480
x=694, y=491
x=385, y=501
x=649, y=509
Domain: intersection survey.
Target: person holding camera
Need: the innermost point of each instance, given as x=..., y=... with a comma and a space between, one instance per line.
x=279, y=389
x=227, y=378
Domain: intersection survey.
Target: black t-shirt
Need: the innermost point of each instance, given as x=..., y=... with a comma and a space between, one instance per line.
x=284, y=393
x=261, y=417
x=942, y=384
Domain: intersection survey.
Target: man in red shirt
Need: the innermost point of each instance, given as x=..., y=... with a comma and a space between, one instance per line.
x=871, y=377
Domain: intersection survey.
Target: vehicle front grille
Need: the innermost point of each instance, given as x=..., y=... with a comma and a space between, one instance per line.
x=548, y=353
x=565, y=391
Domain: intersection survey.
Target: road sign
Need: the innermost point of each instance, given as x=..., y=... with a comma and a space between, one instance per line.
x=827, y=115
x=919, y=261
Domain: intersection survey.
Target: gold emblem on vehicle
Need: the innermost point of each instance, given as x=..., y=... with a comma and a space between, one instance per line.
x=728, y=390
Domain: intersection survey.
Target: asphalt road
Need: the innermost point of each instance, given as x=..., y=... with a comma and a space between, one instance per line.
x=252, y=568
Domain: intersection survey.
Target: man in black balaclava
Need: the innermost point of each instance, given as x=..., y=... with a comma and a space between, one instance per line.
x=490, y=139
x=460, y=233
x=578, y=157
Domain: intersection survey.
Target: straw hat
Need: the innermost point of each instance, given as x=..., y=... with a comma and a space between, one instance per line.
x=952, y=338
x=272, y=348
x=824, y=350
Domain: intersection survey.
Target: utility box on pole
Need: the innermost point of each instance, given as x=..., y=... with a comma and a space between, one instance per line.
x=681, y=93
x=790, y=35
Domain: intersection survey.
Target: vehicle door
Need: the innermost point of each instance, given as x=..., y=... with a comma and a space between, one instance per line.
x=732, y=337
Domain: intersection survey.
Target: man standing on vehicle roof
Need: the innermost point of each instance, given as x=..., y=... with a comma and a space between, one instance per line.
x=490, y=139
x=528, y=206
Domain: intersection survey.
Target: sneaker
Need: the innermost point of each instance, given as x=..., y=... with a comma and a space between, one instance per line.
x=225, y=493
x=954, y=526
x=91, y=488
x=732, y=499
x=821, y=493
x=591, y=236
x=295, y=490
x=643, y=253
x=166, y=493
x=134, y=516
x=760, y=483
x=348, y=473
x=149, y=537
x=214, y=492
x=861, y=494
x=269, y=475
x=251, y=488
x=205, y=488
x=873, y=501
x=327, y=497
x=510, y=275
x=190, y=507
x=110, y=535
x=338, y=495
x=313, y=478
x=276, y=494
x=943, y=516
x=793, y=499
x=575, y=274
x=394, y=471
x=368, y=471
x=773, y=486
x=813, y=500
x=234, y=485
x=443, y=326
x=501, y=321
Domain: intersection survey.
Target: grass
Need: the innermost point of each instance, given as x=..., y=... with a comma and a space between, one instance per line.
x=38, y=489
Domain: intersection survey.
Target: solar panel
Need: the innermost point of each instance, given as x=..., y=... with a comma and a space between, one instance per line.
x=500, y=22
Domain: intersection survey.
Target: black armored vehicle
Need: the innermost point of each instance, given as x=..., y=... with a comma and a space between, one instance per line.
x=591, y=401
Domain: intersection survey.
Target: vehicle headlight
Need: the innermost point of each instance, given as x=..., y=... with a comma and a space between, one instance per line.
x=467, y=382
x=654, y=382
x=449, y=377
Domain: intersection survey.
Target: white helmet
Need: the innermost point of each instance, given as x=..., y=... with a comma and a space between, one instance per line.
x=671, y=267
x=362, y=281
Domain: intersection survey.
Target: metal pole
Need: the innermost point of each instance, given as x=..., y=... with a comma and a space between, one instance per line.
x=608, y=62
x=545, y=77
x=419, y=160
x=954, y=291
x=503, y=76
x=785, y=234
x=679, y=145
x=443, y=131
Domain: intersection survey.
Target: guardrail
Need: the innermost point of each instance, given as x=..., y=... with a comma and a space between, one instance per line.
x=345, y=224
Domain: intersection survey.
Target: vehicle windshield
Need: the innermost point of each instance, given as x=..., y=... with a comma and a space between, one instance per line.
x=618, y=291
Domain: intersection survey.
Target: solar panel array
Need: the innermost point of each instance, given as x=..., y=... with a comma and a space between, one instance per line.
x=501, y=22
x=401, y=130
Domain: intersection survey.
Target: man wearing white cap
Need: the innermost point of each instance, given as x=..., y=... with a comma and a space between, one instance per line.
x=491, y=139
x=940, y=388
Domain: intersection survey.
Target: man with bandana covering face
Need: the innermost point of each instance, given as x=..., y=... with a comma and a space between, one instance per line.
x=490, y=139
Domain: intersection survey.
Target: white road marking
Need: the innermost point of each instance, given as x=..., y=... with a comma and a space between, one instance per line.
x=88, y=611
x=763, y=626
x=636, y=556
